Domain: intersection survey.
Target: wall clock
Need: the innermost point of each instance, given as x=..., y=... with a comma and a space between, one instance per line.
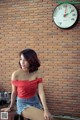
x=65, y=15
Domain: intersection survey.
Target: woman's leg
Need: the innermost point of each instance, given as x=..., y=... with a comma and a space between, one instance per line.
x=33, y=113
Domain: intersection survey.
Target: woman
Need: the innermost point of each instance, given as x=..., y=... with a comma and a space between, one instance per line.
x=27, y=86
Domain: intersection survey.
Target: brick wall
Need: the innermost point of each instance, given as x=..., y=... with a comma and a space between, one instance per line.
x=28, y=24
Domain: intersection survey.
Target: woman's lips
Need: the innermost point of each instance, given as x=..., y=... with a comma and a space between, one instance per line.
x=23, y=66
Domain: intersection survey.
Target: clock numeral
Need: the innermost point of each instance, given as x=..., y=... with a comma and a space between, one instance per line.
x=73, y=14
x=65, y=6
x=72, y=19
x=60, y=8
x=72, y=10
x=60, y=23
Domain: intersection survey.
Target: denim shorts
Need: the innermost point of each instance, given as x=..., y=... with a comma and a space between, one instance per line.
x=23, y=103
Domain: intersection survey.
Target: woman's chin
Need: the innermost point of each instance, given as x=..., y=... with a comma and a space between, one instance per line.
x=25, y=69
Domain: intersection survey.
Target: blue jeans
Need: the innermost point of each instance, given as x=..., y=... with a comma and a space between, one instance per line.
x=23, y=103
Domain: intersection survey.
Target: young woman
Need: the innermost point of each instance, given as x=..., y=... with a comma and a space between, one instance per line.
x=27, y=86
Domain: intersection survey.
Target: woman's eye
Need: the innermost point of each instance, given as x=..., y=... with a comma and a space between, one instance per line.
x=22, y=60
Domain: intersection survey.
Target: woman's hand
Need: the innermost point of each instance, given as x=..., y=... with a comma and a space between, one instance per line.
x=47, y=115
x=8, y=109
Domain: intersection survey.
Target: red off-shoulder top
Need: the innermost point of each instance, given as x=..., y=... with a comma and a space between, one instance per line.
x=26, y=88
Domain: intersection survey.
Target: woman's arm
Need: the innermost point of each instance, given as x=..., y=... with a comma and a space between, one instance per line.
x=41, y=91
x=42, y=96
x=13, y=97
x=14, y=90
x=47, y=114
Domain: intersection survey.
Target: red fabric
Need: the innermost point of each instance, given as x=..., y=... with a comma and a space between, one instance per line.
x=26, y=88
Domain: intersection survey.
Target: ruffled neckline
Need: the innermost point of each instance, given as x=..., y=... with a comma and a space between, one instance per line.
x=26, y=80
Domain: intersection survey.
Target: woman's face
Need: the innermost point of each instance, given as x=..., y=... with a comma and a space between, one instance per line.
x=23, y=62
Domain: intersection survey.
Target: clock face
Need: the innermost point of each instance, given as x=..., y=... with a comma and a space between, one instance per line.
x=65, y=15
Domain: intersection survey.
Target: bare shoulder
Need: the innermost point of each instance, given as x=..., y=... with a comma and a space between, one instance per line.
x=15, y=74
x=39, y=74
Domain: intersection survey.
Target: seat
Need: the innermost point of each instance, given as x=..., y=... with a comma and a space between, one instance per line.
x=20, y=117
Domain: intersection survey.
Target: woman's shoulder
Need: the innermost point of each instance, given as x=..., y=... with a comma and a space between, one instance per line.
x=15, y=74
x=38, y=74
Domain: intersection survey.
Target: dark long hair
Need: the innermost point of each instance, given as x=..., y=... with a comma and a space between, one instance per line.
x=31, y=56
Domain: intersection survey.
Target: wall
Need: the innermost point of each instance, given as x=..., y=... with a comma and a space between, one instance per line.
x=28, y=24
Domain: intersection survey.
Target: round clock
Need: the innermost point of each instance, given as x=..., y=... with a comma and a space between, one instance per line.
x=65, y=15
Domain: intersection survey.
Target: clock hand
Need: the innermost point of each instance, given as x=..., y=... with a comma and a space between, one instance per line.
x=65, y=9
x=68, y=13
